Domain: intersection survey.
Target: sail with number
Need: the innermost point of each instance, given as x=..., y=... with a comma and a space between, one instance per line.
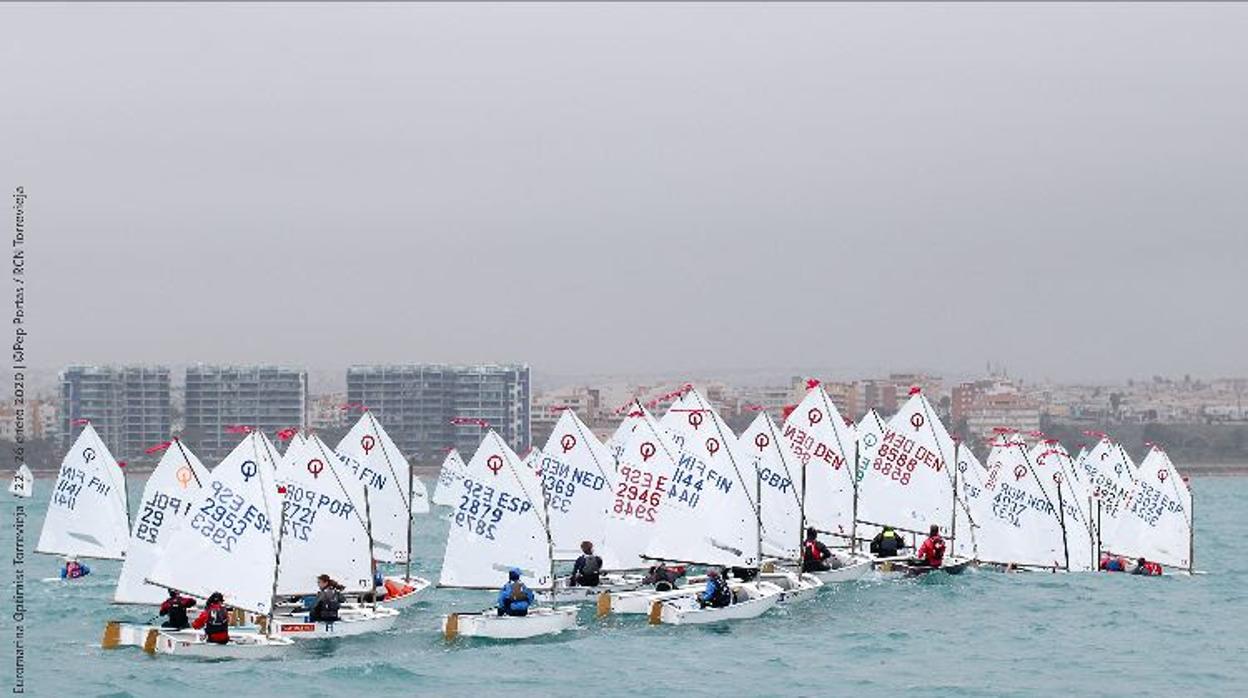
x=1021, y=526
x=1156, y=523
x=780, y=487
x=1110, y=477
x=87, y=515
x=23, y=484
x=384, y=470
x=647, y=467
x=324, y=524
x=910, y=484
x=868, y=432
x=498, y=523
x=447, y=489
x=578, y=477
x=171, y=490
x=1061, y=482
x=976, y=487
x=230, y=540
x=824, y=445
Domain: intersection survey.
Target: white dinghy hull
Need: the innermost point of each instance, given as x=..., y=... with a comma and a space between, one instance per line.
x=408, y=598
x=352, y=620
x=610, y=583
x=638, y=602
x=794, y=586
x=192, y=643
x=852, y=571
x=488, y=624
x=755, y=599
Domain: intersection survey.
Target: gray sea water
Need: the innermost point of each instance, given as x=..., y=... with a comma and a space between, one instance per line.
x=980, y=634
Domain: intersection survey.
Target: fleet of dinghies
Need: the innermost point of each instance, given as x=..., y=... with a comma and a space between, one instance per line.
x=659, y=495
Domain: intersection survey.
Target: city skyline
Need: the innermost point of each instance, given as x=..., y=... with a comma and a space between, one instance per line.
x=1041, y=198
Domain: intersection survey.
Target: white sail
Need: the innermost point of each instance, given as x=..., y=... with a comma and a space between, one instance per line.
x=645, y=456
x=386, y=472
x=976, y=487
x=909, y=484
x=868, y=432
x=23, y=484
x=1110, y=477
x=780, y=495
x=825, y=447
x=615, y=444
x=700, y=430
x=325, y=528
x=87, y=515
x=1063, y=486
x=1156, y=522
x=578, y=477
x=447, y=490
x=229, y=543
x=1021, y=526
x=497, y=525
x=171, y=490
x=709, y=514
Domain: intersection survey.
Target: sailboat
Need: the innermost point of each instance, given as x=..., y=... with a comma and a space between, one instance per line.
x=231, y=544
x=579, y=481
x=1061, y=481
x=446, y=492
x=826, y=448
x=87, y=514
x=779, y=508
x=1156, y=523
x=326, y=510
x=23, y=484
x=1019, y=527
x=170, y=492
x=868, y=433
x=1110, y=475
x=499, y=525
x=713, y=521
x=395, y=495
x=910, y=484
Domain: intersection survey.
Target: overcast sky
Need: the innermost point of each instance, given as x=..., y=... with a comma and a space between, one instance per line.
x=594, y=189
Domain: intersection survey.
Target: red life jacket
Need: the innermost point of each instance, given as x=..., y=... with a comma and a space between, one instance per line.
x=933, y=551
x=812, y=551
x=1153, y=568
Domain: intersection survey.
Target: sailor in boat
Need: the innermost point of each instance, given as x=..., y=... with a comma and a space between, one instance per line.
x=587, y=570
x=214, y=620
x=932, y=552
x=887, y=543
x=328, y=600
x=514, y=598
x=717, y=593
x=74, y=569
x=1146, y=568
x=1113, y=563
x=663, y=577
x=815, y=555
x=174, y=610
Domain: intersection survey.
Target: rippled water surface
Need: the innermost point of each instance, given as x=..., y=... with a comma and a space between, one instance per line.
x=981, y=634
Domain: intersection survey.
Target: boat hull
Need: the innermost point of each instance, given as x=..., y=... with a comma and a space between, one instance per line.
x=638, y=602
x=488, y=624
x=191, y=643
x=851, y=572
x=611, y=583
x=352, y=620
x=795, y=586
x=417, y=584
x=760, y=597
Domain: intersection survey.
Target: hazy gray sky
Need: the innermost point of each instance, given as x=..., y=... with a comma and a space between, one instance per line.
x=1060, y=188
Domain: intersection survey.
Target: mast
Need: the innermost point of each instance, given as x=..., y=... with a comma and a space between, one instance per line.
x=853, y=526
x=277, y=552
x=407, y=565
x=1191, y=533
x=372, y=560
x=953, y=526
x=1061, y=508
